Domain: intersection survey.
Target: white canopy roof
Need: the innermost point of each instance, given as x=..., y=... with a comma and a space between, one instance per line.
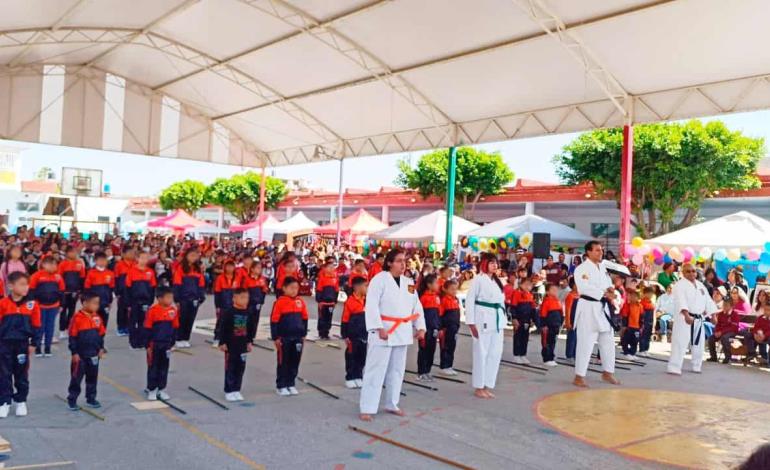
x=740, y=230
x=427, y=228
x=532, y=223
x=299, y=222
x=290, y=81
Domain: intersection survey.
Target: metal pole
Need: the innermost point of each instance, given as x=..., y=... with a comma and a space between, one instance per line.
x=262, y=202
x=626, y=181
x=450, y=199
x=339, y=207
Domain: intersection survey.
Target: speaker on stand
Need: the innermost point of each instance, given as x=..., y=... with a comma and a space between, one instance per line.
x=541, y=245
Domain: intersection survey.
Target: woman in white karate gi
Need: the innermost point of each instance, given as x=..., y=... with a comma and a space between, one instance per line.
x=485, y=316
x=393, y=316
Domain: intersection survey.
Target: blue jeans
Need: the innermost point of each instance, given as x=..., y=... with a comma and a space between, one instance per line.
x=663, y=322
x=571, y=344
x=48, y=326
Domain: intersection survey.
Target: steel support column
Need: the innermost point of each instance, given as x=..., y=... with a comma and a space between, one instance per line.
x=626, y=182
x=450, y=199
x=262, y=187
x=339, y=206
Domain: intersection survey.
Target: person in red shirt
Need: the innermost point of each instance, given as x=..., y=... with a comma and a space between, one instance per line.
x=353, y=329
x=431, y=307
x=47, y=288
x=257, y=285
x=450, y=325
x=225, y=283
x=631, y=316
x=358, y=271
x=101, y=281
x=140, y=292
x=759, y=335
x=327, y=292
x=524, y=312
x=570, y=306
x=122, y=268
x=19, y=332
x=727, y=325
x=189, y=287
x=376, y=267
x=73, y=270
x=648, y=320
x=551, y=317
x=86, y=344
x=288, y=328
x=160, y=324
x=508, y=290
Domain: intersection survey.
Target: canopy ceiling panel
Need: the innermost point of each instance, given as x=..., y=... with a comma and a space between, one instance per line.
x=295, y=81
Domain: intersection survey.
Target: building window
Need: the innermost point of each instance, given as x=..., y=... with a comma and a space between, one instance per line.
x=137, y=213
x=27, y=206
x=605, y=230
x=569, y=224
x=158, y=213
x=103, y=218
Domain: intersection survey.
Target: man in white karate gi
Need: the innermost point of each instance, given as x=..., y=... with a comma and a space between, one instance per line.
x=394, y=317
x=692, y=305
x=592, y=325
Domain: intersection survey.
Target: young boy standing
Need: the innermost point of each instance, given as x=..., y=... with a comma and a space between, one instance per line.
x=122, y=267
x=47, y=288
x=257, y=286
x=224, y=286
x=450, y=325
x=648, y=320
x=288, y=328
x=631, y=315
x=19, y=332
x=570, y=306
x=140, y=286
x=160, y=324
x=73, y=270
x=327, y=292
x=524, y=312
x=353, y=328
x=551, y=317
x=101, y=281
x=86, y=344
x=238, y=327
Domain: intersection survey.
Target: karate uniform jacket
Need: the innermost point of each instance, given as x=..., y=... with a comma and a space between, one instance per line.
x=484, y=289
x=386, y=298
x=592, y=281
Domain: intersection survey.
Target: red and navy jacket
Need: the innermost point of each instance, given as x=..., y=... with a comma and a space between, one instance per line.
x=289, y=318
x=189, y=287
x=47, y=288
x=257, y=288
x=121, y=270
x=523, y=303
x=161, y=324
x=450, y=311
x=431, y=307
x=140, y=285
x=101, y=283
x=19, y=320
x=327, y=288
x=74, y=274
x=550, y=305
x=355, y=275
x=237, y=326
x=762, y=324
x=353, y=324
x=86, y=334
x=375, y=269
x=223, y=289
x=727, y=322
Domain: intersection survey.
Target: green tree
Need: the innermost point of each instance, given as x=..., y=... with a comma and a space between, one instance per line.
x=188, y=195
x=479, y=174
x=240, y=194
x=676, y=166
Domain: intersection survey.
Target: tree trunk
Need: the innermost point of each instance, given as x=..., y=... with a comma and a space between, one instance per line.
x=689, y=216
x=473, y=205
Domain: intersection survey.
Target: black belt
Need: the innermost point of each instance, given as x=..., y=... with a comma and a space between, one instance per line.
x=590, y=299
x=695, y=340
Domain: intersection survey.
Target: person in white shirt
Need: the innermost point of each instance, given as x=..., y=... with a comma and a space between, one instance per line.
x=485, y=316
x=393, y=316
x=693, y=305
x=666, y=307
x=594, y=284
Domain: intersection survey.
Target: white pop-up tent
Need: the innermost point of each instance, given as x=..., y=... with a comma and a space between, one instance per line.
x=430, y=228
x=560, y=233
x=296, y=224
x=739, y=230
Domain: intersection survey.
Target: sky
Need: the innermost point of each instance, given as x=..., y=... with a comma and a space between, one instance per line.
x=138, y=175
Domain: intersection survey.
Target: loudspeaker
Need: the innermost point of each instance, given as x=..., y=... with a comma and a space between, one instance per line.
x=541, y=245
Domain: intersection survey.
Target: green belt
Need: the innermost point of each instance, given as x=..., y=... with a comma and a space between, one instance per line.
x=494, y=306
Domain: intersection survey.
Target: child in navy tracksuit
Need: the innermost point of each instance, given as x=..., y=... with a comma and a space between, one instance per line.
x=47, y=288
x=524, y=313
x=450, y=325
x=327, y=291
x=160, y=325
x=224, y=285
x=237, y=329
x=353, y=329
x=19, y=332
x=86, y=344
x=101, y=281
x=140, y=292
x=431, y=306
x=551, y=318
x=288, y=328
x=189, y=292
x=257, y=285
x=73, y=271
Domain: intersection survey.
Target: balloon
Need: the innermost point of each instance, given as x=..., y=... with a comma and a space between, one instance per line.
x=502, y=244
x=464, y=242
x=705, y=252
x=667, y=259
x=637, y=242
x=630, y=250
x=733, y=254
x=475, y=245
x=689, y=254
x=432, y=247
x=753, y=254
x=492, y=245
x=526, y=240
x=764, y=258
x=674, y=252
x=645, y=249
x=678, y=257
x=720, y=254
x=511, y=239
x=658, y=261
x=767, y=247
x=763, y=268
x=657, y=252
x=638, y=259
x=483, y=244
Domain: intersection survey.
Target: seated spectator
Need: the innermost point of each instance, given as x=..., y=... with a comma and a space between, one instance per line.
x=727, y=327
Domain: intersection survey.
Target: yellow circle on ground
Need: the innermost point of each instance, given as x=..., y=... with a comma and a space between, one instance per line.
x=684, y=429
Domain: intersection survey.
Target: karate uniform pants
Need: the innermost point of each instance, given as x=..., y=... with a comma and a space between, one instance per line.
x=325, y=314
x=235, y=366
x=158, y=361
x=427, y=351
x=680, y=340
x=384, y=365
x=188, y=312
x=14, y=372
x=83, y=366
x=69, y=302
x=588, y=331
x=645, y=335
x=355, y=358
x=487, y=352
x=136, y=325
x=521, y=335
x=448, y=344
x=551, y=326
x=122, y=313
x=289, y=355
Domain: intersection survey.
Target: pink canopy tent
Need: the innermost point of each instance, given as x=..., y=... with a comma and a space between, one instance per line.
x=359, y=224
x=267, y=220
x=179, y=220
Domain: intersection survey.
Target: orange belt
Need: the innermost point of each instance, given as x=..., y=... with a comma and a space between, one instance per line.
x=397, y=321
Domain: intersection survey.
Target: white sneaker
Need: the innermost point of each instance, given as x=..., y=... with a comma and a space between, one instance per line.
x=4, y=409
x=293, y=390
x=517, y=360
x=152, y=395
x=643, y=354
x=524, y=360
x=359, y=383
x=179, y=344
x=284, y=392
x=63, y=335
x=551, y=364
x=350, y=384
x=215, y=344
x=238, y=396
x=628, y=356
x=163, y=395
x=187, y=344
x=231, y=396
x=21, y=409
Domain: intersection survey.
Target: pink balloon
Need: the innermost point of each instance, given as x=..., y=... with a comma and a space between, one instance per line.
x=657, y=252
x=753, y=254
x=658, y=260
x=630, y=250
x=638, y=259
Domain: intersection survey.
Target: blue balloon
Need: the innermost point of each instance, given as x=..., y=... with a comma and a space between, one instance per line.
x=720, y=254
x=763, y=268
x=667, y=259
x=764, y=258
x=767, y=246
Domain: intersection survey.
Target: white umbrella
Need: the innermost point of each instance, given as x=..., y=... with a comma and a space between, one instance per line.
x=739, y=230
x=429, y=228
x=532, y=223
